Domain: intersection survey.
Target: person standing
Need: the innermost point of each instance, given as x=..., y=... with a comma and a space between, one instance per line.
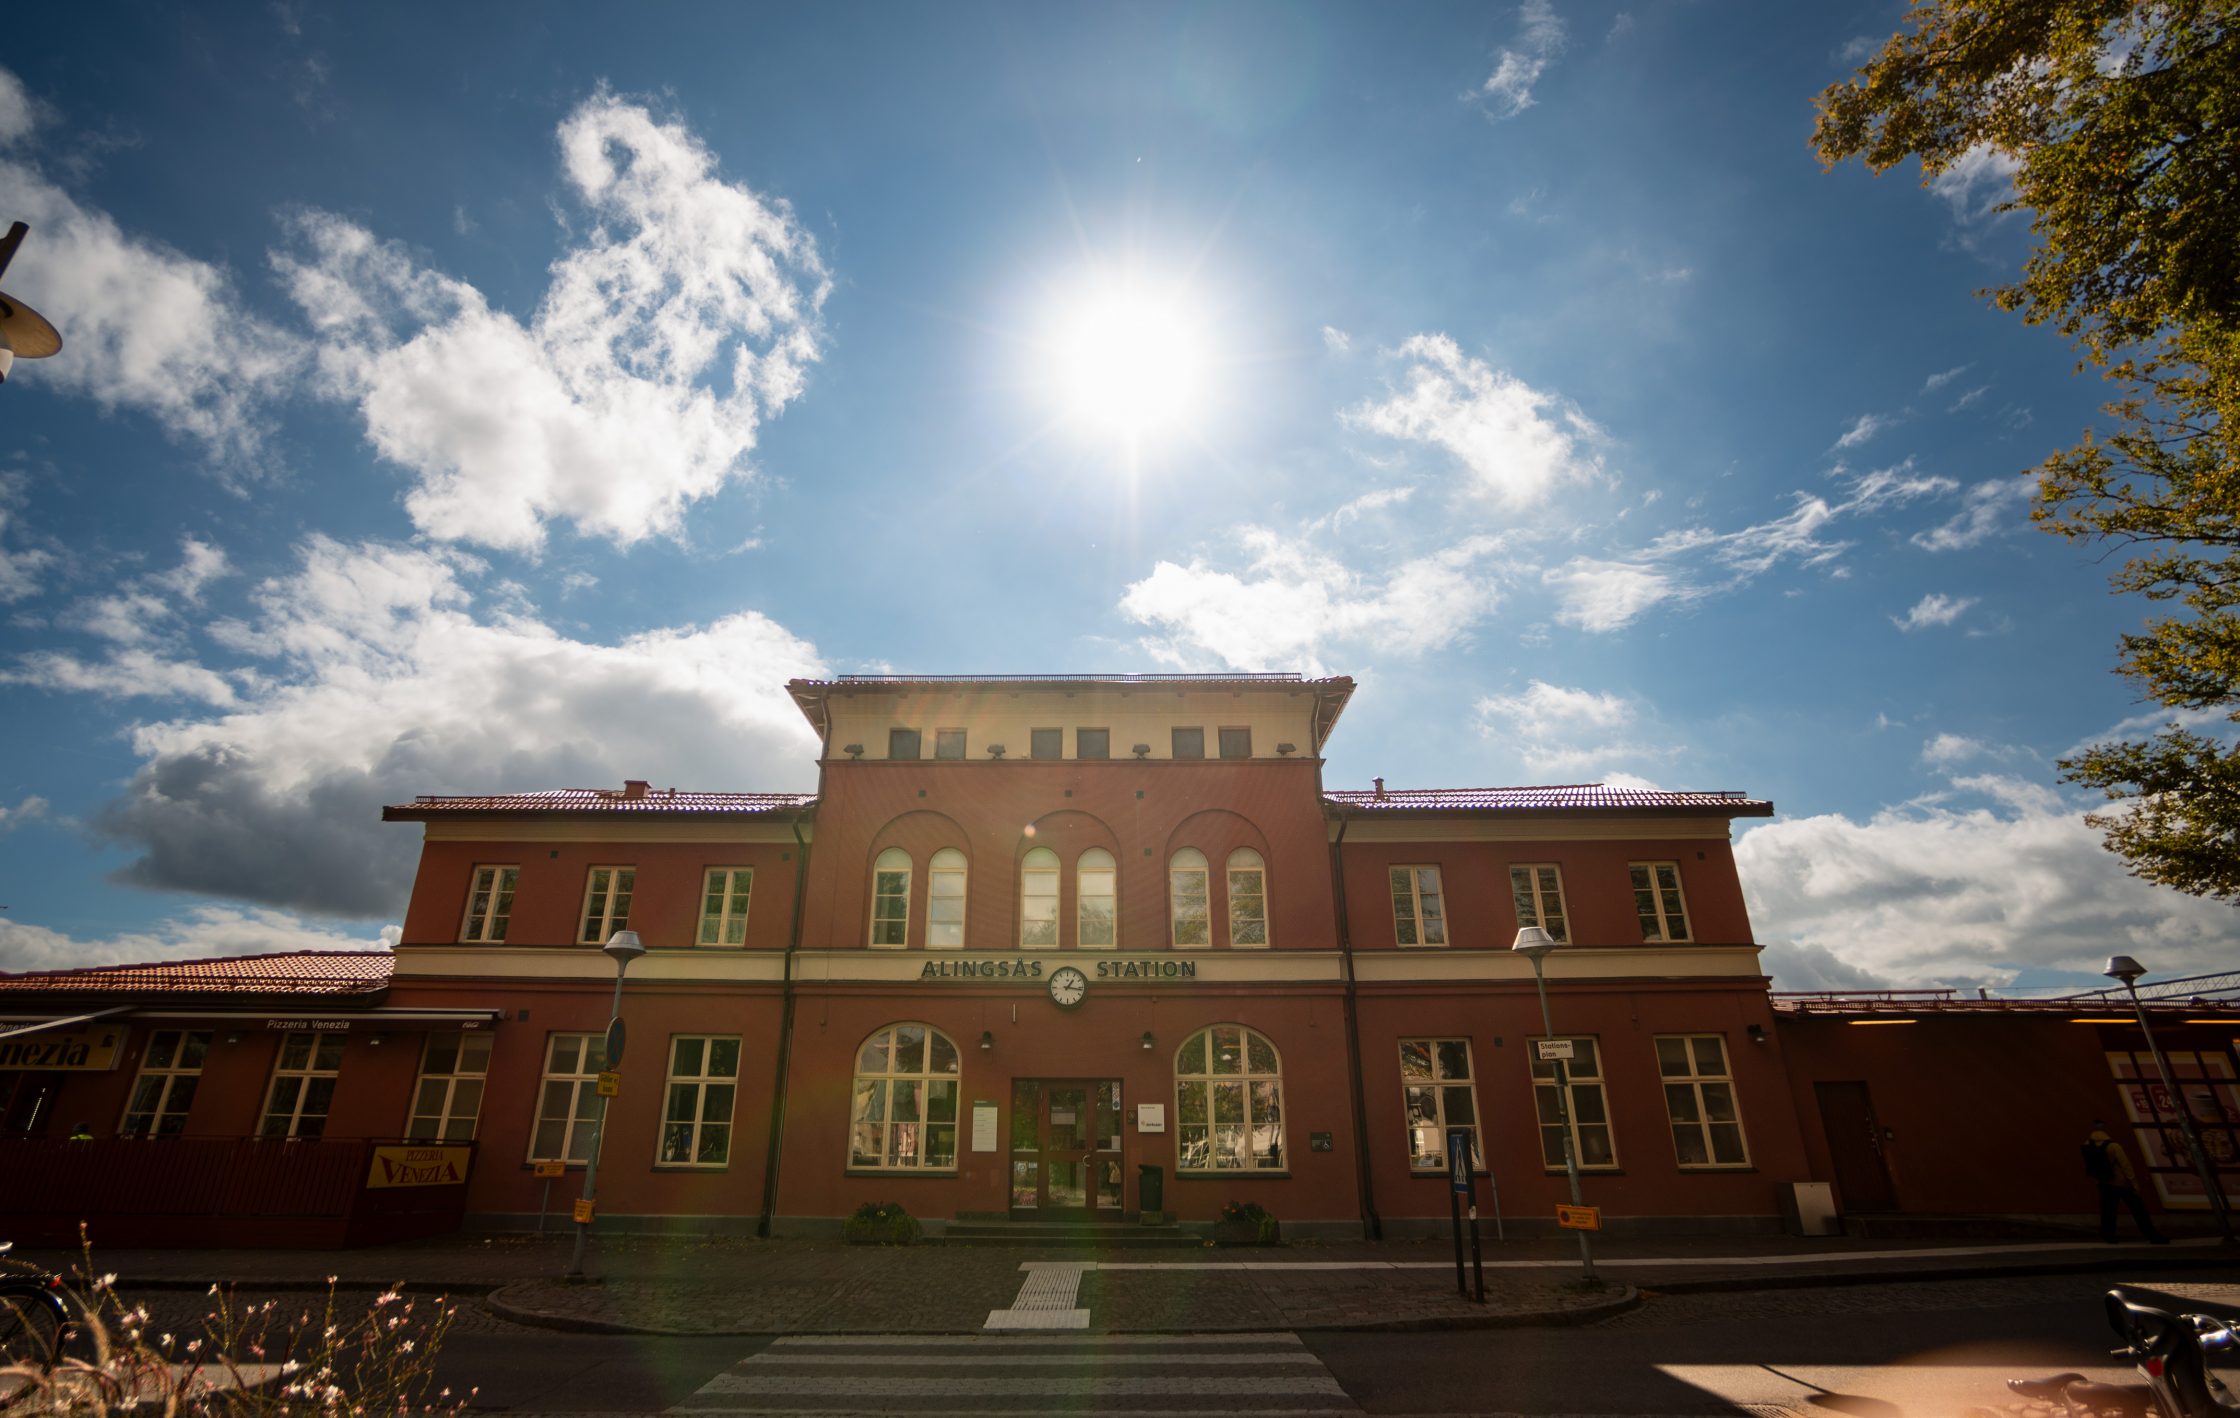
x=2107, y=1164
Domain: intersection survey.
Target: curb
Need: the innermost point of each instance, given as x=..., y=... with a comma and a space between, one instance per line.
x=1626, y=1297
x=1818, y=1279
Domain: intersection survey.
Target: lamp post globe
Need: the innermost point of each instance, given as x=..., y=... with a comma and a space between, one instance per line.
x=623, y=947
x=2124, y=969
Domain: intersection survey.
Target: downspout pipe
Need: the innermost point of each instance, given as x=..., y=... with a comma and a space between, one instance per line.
x=1371, y=1226
x=781, y=1073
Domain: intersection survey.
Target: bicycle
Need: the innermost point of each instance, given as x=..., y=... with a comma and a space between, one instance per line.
x=34, y=1315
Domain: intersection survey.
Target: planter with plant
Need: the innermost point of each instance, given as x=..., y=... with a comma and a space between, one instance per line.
x=1246, y=1223
x=881, y=1223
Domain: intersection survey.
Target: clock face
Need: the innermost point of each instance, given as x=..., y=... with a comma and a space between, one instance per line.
x=1068, y=987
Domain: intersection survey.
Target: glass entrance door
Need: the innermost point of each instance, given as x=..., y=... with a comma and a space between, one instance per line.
x=1065, y=1148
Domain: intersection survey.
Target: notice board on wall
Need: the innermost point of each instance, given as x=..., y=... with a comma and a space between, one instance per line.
x=983, y=1127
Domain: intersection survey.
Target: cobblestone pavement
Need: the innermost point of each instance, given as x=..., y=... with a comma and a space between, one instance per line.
x=1659, y=1311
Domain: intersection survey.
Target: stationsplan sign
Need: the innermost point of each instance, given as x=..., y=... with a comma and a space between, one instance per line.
x=1550, y=1050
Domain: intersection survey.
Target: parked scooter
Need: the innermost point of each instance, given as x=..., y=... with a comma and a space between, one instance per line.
x=2172, y=1352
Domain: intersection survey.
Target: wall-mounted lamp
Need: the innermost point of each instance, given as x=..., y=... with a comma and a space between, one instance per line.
x=1148, y=1041
x=995, y=750
x=853, y=750
x=987, y=1040
x=1285, y=750
x=1141, y=750
x=1757, y=1033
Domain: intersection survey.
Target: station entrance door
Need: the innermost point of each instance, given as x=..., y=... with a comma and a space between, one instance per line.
x=1065, y=1149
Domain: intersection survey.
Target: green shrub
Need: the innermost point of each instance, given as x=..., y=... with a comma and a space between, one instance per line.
x=882, y=1223
x=1250, y=1222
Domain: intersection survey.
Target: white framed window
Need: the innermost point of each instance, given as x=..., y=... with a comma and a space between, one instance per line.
x=904, y=743
x=890, y=898
x=1188, y=898
x=302, y=1089
x=1657, y=900
x=1439, y=1092
x=1228, y=1084
x=696, y=1111
x=1419, y=908
x=948, y=744
x=945, y=891
x=447, y=1100
x=1097, y=899
x=568, y=1104
x=1590, y=1109
x=1699, y=1101
x=1537, y=888
x=489, y=903
x=1038, y=898
x=170, y=1071
x=606, y=903
x=1248, y=898
x=904, y=1114
x=725, y=893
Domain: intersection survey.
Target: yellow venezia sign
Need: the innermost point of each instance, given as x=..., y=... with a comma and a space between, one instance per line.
x=77, y=1051
x=419, y=1167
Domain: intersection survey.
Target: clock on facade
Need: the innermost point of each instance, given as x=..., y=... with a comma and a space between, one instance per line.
x=1068, y=987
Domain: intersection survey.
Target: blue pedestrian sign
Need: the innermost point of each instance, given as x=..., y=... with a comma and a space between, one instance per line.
x=1458, y=1159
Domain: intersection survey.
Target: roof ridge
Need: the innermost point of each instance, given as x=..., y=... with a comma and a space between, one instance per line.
x=198, y=960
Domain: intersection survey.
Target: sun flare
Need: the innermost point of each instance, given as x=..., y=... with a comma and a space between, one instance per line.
x=1131, y=360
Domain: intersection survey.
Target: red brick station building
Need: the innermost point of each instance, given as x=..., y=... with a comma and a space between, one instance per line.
x=1030, y=938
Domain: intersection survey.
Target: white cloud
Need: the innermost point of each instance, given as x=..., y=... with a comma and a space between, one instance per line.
x=1507, y=91
x=1946, y=750
x=31, y=809
x=1989, y=508
x=1966, y=887
x=1294, y=602
x=19, y=112
x=1518, y=444
x=1859, y=47
x=203, y=932
x=124, y=673
x=1937, y=381
x=1577, y=732
x=376, y=672
x=1976, y=185
x=686, y=315
x=1934, y=609
x=21, y=567
x=1609, y=595
x=1336, y=340
x=1862, y=428
x=1968, y=400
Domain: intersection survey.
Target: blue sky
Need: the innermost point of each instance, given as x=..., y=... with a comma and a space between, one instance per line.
x=515, y=396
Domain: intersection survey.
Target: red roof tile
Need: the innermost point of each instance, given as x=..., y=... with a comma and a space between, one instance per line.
x=595, y=801
x=1564, y=797
x=317, y=972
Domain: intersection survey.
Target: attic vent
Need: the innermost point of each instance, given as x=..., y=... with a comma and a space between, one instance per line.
x=633, y=789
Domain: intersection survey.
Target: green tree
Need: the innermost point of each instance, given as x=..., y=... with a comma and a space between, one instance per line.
x=2121, y=120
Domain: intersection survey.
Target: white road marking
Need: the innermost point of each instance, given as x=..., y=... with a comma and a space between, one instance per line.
x=1046, y=1301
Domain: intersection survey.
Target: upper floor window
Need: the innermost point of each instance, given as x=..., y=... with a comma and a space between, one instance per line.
x=696, y=1114
x=1097, y=896
x=567, y=1105
x=490, y=903
x=1228, y=1085
x=1046, y=743
x=1439, y=1093
x=1189, y=743
x=606, y=903
x=1699, y=1101
x=448, y=1098
x=169, y=1074
x=1657, y=901
x=1186, y=891
x=723, y=905
x=1248, y=898
x=904, y=1113
x=1419, y=911
x=1236, y=743
x=948, y=743
x=302, y=1086
x=945, y=891
x=902, y=743
x=890, y=898
x=1092, y=743
x=1038, y=897
x=1538, y=891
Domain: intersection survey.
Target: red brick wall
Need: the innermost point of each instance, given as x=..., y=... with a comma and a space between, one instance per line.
x=548, y=904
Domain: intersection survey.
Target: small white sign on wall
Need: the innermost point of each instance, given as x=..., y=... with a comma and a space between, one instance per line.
x=983, y=1127
x=1151, y=1117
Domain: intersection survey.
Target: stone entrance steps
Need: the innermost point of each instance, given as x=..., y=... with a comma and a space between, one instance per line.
x=1084, y=1235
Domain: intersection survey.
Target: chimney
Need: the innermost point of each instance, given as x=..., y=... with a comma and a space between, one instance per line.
x=1380, y=786
x=633, y=789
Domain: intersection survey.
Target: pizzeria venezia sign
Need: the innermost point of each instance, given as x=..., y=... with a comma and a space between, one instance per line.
x=1147, y=969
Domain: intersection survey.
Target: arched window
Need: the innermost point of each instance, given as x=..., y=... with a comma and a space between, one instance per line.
x=945, y=883
x=890, y=898
x=1228, y=1087
x=1248, y=898
x=1038, y=897
x=1186, y=894
x=905, y=1111
x=1099, y=896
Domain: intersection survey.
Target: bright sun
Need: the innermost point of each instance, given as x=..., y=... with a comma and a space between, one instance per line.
x=1132, y=360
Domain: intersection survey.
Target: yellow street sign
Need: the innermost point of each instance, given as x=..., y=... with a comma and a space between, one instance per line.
x=610, y=1084
x=584, y=1209
x=1579, y=1218
x=552, y=1169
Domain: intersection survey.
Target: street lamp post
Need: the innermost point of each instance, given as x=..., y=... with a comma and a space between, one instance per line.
x=2127, y=970
x=1534, y=943
x=622, y=948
